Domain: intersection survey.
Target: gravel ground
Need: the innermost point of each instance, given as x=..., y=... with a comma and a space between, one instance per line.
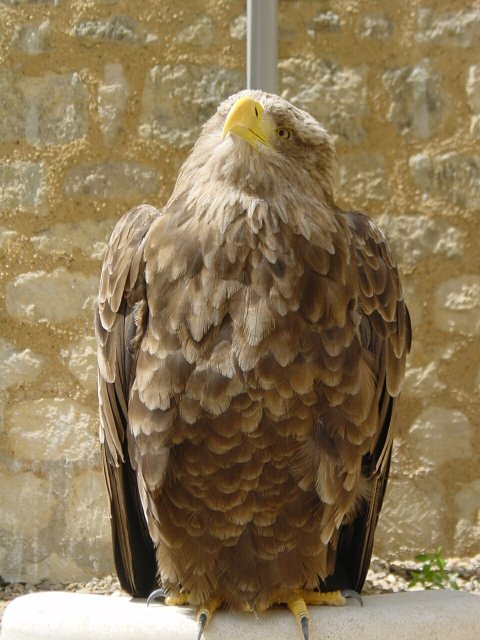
x=383, y=577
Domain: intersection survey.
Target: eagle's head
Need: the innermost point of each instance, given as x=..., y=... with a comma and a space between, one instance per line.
x=261, y=144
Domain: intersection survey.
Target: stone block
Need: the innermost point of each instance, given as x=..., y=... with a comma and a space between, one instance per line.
x=419, y=105
x=28, y=503
x=58, y=296
x=375, y=26
x=81, y=360
x=33, y=38
x=336, y=96
x=467, y=528
x=112, y=99
x=88, y=236
x=87, y=514
x=13, y=3
x=473, y=88
x=430, y=615
x=423, y=382
x=110, y=180
x=55, y=108
x=119, y=29
x=438, y=436
x=362, y=177
x=18, y=366
x=238, y=27
x=178, y=99
x=326, y=21
x=475, y=127
x=22, y=186
x=415, y=237
x=6, y=237
x=200, y=33
x=411, y=518
x=453, y=177
x=457, y=305
x=54, y=568
x=52, y=429
x=449, y=28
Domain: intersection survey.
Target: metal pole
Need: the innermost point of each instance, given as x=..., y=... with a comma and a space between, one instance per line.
x=262, y=45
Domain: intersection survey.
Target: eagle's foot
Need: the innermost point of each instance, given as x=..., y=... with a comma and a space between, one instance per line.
x=299, y=600
x=178, y=599
x=205, y=615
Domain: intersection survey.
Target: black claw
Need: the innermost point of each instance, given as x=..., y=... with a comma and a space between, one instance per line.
x=350, y=593
x=304, y=625
x=158, y=593
x=202, y=621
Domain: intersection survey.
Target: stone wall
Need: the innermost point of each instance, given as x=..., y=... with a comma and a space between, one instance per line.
x=99, y=104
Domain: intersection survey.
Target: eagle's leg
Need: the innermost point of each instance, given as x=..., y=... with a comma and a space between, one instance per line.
x=205, y=614
x=299, y=600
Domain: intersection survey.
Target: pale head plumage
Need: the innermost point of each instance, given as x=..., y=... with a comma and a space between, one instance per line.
x=293, y=170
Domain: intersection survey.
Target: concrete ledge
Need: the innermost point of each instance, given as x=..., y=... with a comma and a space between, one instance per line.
x=439, y=615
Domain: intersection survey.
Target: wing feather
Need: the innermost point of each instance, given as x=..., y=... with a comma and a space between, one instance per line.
x=115, y=328
x=385, y=331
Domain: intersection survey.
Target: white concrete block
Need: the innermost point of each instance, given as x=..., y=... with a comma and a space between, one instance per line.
x=439, y=615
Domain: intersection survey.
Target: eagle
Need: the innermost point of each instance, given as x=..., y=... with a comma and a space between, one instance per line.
x=252, y=339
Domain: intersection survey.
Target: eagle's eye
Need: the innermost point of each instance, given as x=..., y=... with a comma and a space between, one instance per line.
x=283, y=133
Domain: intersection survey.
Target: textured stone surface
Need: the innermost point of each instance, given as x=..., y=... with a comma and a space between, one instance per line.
x=22, y=186
x=376, y=26
x=6, y=236
x=238, y=27
x=439, y=435
x=88, y=236
x=411, y=517
x=457, y=305
x=418, y=104
x=430, y=615
x=87, y=515
x=416, y=237
x=112, y=180
x=18, y=366
x=201, y=33
x=177, y=99
x=57, y=296
x=473, y=88
x=81, y=360
x=475, y=127
x=450, y=28
x=44, y=110
x=34, y=38
x=122, y=29
x=112, y=98
x=25, y=498
x=453, y=177
x=362, y=175
x=467, y=530
x=52, y=429
x=337, y=96
x=324, y=21
x=423, y=381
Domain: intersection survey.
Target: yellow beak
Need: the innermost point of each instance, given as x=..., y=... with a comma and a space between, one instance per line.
x=245, y=121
